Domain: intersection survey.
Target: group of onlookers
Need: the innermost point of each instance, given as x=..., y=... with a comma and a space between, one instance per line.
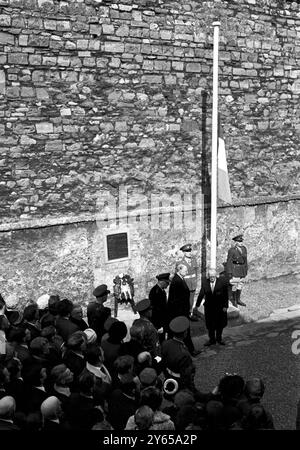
x=61, y=372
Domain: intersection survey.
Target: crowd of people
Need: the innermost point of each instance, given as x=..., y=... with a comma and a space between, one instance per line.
x=59, y=371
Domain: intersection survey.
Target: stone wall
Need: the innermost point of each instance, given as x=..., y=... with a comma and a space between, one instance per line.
x=97, y=93
x=70, y=259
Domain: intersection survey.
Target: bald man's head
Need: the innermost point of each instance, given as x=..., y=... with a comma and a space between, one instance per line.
x=7, y=407
x=51, y=408
x=212, y=274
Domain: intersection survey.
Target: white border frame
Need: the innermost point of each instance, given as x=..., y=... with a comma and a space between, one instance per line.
x=108, y=232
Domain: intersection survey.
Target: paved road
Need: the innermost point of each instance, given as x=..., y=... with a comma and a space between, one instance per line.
x=262, y=350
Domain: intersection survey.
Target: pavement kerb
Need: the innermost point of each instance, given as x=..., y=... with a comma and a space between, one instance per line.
x=255, y=329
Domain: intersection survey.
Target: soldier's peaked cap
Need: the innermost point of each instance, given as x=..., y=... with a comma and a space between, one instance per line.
x=101, y=290
x=143, y=305
x=179, y=325
x=238, y=238
x=163, y=276
x=186, y=248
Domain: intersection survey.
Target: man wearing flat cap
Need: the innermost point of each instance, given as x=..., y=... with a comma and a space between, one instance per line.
x=237, y=268
x=97, y=313
x=158, y=300
x=149, y=336
x=191, y=277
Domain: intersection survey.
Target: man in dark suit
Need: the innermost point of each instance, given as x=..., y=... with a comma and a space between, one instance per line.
x=97, y=313
x=179, y=303
x=35, y=377
x=191, y=277
x=215, y=292
x=63, y=324
x=158, y=300
x=149, y=336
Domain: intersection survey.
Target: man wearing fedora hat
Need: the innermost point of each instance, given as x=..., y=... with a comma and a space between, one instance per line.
x=158, y=300
x=237, y=268
x=97, y=313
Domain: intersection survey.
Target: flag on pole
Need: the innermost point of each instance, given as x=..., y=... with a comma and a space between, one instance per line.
x=223, y=179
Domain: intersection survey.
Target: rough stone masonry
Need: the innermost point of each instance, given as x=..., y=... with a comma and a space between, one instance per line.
x=95, y=94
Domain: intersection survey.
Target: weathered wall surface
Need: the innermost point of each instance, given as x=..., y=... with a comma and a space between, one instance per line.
x=70, y=259
x=95, y=93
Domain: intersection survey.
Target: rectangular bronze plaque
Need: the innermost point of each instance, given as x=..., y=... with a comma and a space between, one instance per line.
x=117, y=246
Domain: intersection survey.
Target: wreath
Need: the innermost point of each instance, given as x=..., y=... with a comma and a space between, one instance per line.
x=124, y=291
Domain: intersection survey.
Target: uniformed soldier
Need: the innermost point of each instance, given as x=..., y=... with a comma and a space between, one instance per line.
x=158, y=300
x=191, y=277
x=237, y=269
x=176, y=358
x=149, y=338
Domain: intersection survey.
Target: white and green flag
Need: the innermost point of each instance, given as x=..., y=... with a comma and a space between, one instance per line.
x=223, y=179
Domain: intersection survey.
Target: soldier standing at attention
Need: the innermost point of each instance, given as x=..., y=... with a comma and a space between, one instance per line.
x=191, y=277
x=237, y=269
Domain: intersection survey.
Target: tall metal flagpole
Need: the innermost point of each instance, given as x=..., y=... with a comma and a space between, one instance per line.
x=214, y=152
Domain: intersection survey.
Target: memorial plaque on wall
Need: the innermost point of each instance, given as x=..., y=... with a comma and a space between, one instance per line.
x=117, y=246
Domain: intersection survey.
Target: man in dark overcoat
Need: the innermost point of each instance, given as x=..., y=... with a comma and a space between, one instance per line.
x=179, y=303
x=237, y=269
x=158, y=301
x=97, y=313
x=149, y=337
x=215, y=292
x=191, y=277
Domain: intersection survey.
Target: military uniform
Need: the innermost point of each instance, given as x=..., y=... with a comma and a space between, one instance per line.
x=176, y=358
x=191, y=276
x=237, y=269
x=236, y=265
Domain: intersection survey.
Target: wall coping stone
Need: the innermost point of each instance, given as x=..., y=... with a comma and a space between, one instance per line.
x=92, y=217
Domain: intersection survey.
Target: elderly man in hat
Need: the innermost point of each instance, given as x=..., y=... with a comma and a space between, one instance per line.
x=237, y=268
x=97, y=313
x=191, y=275
x=149, y=336
x=215, y=292
x=158, y=300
